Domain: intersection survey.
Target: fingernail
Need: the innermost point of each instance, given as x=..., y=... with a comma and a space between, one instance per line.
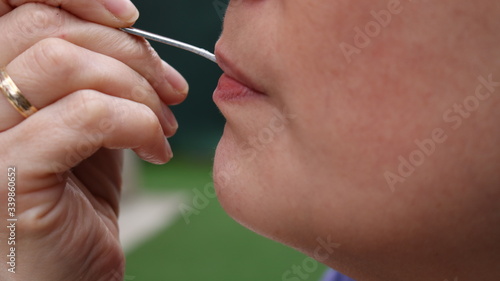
x=175, y=79
x=124, y=10
x=169, y=118
x=168, y=150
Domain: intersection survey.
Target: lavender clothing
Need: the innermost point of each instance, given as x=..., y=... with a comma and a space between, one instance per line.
x=332, y=275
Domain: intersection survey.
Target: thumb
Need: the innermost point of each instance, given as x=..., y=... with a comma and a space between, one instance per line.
x=114, y=13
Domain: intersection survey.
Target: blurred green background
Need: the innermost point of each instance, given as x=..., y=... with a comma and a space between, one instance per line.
x=212, y=246
x=197, y=23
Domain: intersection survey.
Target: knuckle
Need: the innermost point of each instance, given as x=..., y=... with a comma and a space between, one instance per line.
x=148, y=121
x=53, y=56
x=85, y=110
x=124, y=44
x=139, y=50
x=35, y=19
x=154, y=65
x=149, y=52
x=143, y=93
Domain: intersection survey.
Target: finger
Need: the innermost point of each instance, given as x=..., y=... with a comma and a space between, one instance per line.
x=4, y=8
x=32, y=23
x=54, y=68
x=58, y=137
x=115, y=13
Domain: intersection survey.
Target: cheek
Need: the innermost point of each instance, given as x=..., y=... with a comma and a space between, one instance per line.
x=353, y=123
x=336, y=138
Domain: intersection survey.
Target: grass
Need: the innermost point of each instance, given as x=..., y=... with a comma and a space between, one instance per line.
x=212, y=246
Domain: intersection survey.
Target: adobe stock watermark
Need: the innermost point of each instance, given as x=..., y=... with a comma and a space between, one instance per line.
x=363, y=36
x=453, y=117
x=11, y=219
x=256, y=143
x=302, y=271
x=201, y=199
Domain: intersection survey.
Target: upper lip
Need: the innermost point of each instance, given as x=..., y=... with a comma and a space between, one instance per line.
x=233, y=71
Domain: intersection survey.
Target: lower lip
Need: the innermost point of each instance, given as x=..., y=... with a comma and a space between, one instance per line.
x=232, y=90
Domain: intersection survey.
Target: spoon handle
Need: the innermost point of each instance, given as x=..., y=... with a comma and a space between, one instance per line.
x=165, y=40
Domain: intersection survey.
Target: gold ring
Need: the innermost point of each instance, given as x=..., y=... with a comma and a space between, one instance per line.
x=14, y=96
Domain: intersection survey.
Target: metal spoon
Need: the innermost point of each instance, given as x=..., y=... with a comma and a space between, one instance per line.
x=165, y=40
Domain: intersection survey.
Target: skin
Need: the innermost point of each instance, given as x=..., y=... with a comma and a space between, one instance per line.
x=95, y=88
x=338, y=126
x=322, y=175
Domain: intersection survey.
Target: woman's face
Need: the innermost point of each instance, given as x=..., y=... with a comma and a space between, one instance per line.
x=371, y=124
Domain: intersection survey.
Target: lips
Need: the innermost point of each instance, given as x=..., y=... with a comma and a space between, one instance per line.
x=233, y=84
x=230, y=89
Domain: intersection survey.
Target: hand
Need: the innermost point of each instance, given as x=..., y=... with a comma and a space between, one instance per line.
x=114, y=13
x=97, y=90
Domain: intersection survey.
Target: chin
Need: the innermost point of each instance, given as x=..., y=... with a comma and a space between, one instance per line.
x=227, y=173
x=254, y=194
